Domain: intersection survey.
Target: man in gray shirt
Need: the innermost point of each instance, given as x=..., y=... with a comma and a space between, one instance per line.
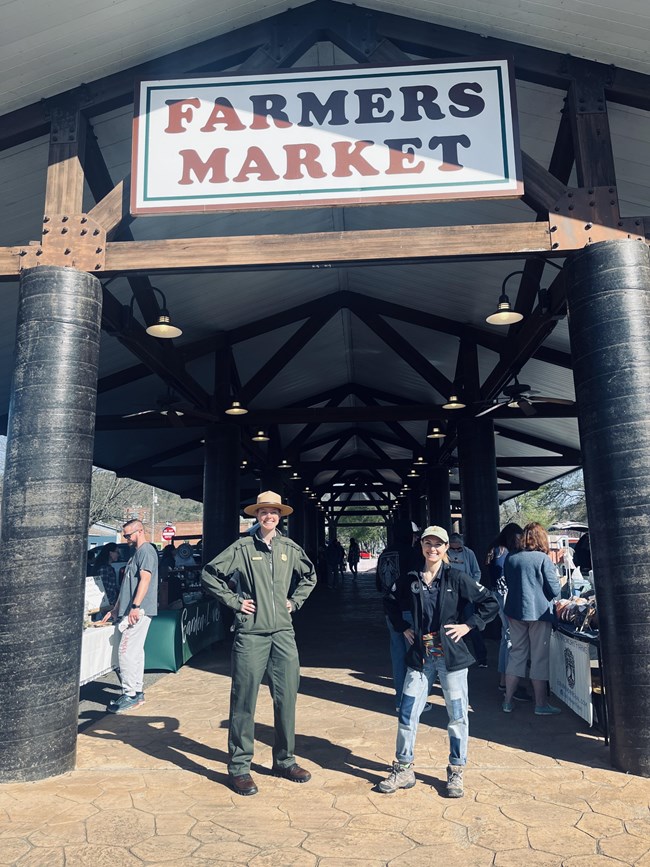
x=135, y=606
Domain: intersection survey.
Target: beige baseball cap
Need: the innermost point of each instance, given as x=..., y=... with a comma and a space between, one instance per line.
x=438, y=532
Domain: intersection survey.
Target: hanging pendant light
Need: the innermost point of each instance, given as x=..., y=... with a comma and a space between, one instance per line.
x=236, y=408
x=504, y=314
x=436, y=434
x=454, y=403
x=260, y=437
x=163, y=326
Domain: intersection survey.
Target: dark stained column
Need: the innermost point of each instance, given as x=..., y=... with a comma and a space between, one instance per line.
x=478, y=484
x=311, y=531
x=416, y=502
x=438, y=499
x=297, y=520
x=220, y=489
x=272, y=479
x=45, y=519
x=608, y=291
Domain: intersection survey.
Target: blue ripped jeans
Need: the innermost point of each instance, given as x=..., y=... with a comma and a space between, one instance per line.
x=417, y=687
x=398, y=649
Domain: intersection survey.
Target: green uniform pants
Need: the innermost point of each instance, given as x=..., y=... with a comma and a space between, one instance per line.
x=252, y=655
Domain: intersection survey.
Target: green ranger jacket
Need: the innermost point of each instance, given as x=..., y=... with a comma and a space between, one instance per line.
x=248, y=569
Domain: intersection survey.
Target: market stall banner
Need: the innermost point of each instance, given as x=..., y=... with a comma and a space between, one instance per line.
x=328, y=136
x=570, y=678
x=175, y=635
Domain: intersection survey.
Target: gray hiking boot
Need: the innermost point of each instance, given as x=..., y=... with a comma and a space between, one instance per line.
x=455, y=782
x=400, y=777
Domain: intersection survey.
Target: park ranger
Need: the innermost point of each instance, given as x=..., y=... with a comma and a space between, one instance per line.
x=264, y=578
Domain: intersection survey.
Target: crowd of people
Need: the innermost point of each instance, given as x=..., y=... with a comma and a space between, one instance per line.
x=436, y=601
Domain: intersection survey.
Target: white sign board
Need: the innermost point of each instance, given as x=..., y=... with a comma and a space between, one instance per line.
x=326, y=136
x=571, y=674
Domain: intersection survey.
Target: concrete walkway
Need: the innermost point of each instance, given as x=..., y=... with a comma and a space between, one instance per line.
x=150, y=786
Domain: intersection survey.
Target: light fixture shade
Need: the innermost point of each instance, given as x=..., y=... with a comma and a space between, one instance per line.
x=236, y=408
x=436, y=434
x=420, y=462
x=284, y=465
x=163, y=327
x=504, y=314
x=453, y=403
x=260, y=437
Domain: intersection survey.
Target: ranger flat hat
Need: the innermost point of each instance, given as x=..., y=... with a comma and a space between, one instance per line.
x=269, y=500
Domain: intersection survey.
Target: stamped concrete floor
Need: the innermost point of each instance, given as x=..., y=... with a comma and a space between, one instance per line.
x=150, y=787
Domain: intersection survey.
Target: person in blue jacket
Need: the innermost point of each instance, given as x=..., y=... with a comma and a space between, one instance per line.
x=437, y=594
x=533, y=585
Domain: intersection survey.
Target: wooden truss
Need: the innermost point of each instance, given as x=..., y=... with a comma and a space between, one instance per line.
x=564, y=219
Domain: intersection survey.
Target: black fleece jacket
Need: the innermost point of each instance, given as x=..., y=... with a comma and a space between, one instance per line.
x=456, y=588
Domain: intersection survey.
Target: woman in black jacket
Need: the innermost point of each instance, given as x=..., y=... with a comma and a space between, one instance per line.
x=437, y=595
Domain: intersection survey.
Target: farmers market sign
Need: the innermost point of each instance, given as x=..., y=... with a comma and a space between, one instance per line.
x=326, y=137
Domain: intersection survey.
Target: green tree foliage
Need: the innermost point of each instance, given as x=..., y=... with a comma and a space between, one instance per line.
x=562, y=499
x=113, y=500
x=369, y=538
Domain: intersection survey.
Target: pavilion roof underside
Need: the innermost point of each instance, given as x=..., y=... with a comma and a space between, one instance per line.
x=345, y=366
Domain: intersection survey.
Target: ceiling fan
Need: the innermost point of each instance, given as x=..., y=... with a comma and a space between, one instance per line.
x=166, y=405
x=522, y=396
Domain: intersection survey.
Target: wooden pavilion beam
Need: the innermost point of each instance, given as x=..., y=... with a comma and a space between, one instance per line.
x=528, y=339
x=204, y=346
x=587, y=110
x=541, y=188
x=254, y=252
x=65, y=166
x=149, y=351
x=150, y=463
x=322, y=312
x=516, y=482
x=300, y=441
x=333, y=415
x=158, y=357
x=221, y=52
x=379, y=245
x=404, y=349
x=325, y=20
x=538, y=442
x=402, y=466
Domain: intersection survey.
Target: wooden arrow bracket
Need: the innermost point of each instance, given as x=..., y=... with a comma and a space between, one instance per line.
x=586, y=216
x=73, y=241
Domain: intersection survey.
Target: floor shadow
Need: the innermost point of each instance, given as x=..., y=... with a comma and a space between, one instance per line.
x=324, y=753
x=158, y=737
x=346, y=630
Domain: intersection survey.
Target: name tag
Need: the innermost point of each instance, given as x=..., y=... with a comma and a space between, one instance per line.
x=257, y=557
